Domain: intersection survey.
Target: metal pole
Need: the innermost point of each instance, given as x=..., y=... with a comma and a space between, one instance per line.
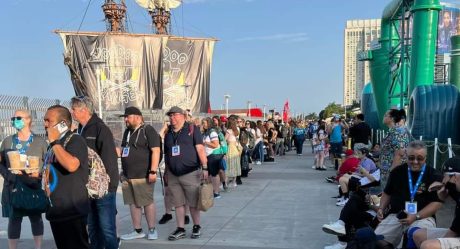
x=449, y=144
x=226, y=103
x=264, y=112
x=435, y=152
x=99, y=93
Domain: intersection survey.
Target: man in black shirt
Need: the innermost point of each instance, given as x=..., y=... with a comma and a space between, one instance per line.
x=186, y=165
x=102, y=216
x=444, y=238
x=68, y=168
x=360, y=133
x=406, y=197
x=139, y=160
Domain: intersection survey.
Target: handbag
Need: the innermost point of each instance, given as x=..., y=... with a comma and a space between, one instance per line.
x=28, y=199
x=205, y=196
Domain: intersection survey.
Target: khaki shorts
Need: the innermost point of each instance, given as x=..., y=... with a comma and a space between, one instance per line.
x=439, y=233
x=138, y=192
x=184, y=189
x=393, y=231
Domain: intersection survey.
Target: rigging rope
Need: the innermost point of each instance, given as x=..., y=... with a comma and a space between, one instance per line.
x=84, y=16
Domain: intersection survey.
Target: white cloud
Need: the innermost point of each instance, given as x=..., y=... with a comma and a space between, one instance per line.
x=295, y=37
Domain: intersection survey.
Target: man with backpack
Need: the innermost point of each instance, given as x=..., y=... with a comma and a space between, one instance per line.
x=140, y=157
x=102, y=216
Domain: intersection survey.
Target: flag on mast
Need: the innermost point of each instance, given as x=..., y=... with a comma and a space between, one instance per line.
x=286, y=111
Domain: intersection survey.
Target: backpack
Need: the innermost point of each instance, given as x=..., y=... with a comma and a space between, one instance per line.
x=98, y=179
x=284, y=131
x=223, y=143
x=252, y=140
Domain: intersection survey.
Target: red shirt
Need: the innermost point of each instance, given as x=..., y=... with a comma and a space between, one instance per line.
x=348, y=166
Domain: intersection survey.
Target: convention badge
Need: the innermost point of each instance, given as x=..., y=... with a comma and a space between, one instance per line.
x=176, y=150
x=125, y=152
x=411, y=207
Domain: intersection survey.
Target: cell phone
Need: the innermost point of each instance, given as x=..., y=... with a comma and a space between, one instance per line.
x=436, y=188
x=401, y=215
x=61, y=127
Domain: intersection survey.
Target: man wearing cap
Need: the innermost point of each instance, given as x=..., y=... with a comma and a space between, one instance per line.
x=336, y=130
x=406, y=199
x=185, y=166
x=444, y=238
x=140, y=156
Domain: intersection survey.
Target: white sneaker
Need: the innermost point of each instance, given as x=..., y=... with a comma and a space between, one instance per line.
x=342, y=203
x=336, y=228
x=337, y=245
x=133, y=235
x=340, y=199
x=152, y=234
x=258, y=163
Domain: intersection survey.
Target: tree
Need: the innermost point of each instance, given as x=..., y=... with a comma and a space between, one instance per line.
x=311, y=116
x=332, y=108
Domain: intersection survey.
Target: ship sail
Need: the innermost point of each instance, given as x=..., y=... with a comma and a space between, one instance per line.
x=159, y=4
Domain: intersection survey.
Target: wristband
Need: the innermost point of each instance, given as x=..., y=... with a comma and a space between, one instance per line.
x=55, y=142
x=152, y=172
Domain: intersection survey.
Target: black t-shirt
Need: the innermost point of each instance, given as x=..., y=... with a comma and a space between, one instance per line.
x=360, y=133
x=188, y=160
x=456, y=222
x=141, y=141
x=69, y=198
x=398, y=188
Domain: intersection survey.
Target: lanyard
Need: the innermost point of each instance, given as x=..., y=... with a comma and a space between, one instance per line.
x=80, y=130
x=176, y=135
x=137, y=137
x=17, y=144
x=413, y=189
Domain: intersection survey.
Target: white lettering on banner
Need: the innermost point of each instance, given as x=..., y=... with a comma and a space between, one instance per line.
x=176, y=92
x=119, y=73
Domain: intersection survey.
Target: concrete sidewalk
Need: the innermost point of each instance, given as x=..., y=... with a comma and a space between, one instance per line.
x=281, y=205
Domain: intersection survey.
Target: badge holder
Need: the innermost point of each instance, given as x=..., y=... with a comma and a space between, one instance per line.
x=125, y=152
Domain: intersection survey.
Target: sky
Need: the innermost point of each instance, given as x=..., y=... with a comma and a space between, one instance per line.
x=269, y=51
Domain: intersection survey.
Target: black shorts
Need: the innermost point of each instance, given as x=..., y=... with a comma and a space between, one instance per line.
x=214, y=164
x=336, y=149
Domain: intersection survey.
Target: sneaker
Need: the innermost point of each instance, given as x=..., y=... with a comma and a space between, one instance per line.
x=217, y=196
x=342, y=202
x=337, y=245
x=258, y=163
x=133, y=235
x=165, y=218
x=179, y=233
x=152, y=234
x=187, y=220
x=330, y=179
x=335, y=228
x=119, y=242
x=313, y=167
x=340, y=199
x=196, y=232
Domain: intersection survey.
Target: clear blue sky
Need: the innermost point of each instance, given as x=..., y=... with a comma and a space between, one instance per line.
x=269, y=51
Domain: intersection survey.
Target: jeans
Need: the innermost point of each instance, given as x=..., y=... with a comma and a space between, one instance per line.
x=279, y=147
x=299, y=143
x=102, y=222
x=258, y=151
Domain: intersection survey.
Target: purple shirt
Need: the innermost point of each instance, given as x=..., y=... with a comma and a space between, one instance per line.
x=368, y=164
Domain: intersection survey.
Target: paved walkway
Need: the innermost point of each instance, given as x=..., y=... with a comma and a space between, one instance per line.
x=281, y=205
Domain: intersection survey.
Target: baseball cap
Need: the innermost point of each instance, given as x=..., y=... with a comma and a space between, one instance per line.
x=366, y=235
x=452, y=165
x=175, y=109
x=223, y=119
x=349, y=152
x=132, y=110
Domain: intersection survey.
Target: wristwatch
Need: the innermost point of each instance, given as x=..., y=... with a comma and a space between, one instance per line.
x=417, y=217
x=55, y=142
x=152, y=172
x=204, y=167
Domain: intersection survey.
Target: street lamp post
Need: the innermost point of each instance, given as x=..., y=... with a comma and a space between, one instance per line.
x=226, y=96
x=249, y=108
x=265, y=106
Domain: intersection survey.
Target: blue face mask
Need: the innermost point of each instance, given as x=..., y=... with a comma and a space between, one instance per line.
x=18, y=124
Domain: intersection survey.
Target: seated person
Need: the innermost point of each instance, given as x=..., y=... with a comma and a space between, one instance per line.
x=355, y=214
x=349, y=165
x=406, y=201
x=365, y=174
x=444, y=238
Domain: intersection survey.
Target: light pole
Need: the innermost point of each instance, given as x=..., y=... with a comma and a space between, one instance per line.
x=265, y=106
x=249, y=108
x=226, y=96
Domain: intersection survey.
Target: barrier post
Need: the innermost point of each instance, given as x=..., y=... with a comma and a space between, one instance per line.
x=421, y=138
x=449, y=146
x=435, y=152
x=372, y=136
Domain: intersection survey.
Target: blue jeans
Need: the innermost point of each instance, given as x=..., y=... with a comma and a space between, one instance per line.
x=299, y=143
x=102, y=222
x=258, y=151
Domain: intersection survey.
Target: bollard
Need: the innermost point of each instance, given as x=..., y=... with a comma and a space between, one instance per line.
x=435, y=152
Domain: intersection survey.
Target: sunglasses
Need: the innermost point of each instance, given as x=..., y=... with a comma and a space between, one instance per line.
x=16, y=118
x=418, y=158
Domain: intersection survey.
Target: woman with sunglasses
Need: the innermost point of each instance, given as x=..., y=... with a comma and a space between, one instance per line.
x=27, y=144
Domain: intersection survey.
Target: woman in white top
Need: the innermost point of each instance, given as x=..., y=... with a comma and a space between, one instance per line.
x=213, y=152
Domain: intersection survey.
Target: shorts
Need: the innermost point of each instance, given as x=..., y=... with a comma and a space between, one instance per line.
x=214, y=164
x=439, y=233
x=138, y=192
x=336, y=149
x=392, y=230
x=184, y=189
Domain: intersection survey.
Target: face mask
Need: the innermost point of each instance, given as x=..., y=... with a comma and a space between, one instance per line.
x=18, y=124
x=451, y=187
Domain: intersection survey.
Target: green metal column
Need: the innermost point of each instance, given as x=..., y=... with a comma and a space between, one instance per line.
x=454, y=68
x=424, y=35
